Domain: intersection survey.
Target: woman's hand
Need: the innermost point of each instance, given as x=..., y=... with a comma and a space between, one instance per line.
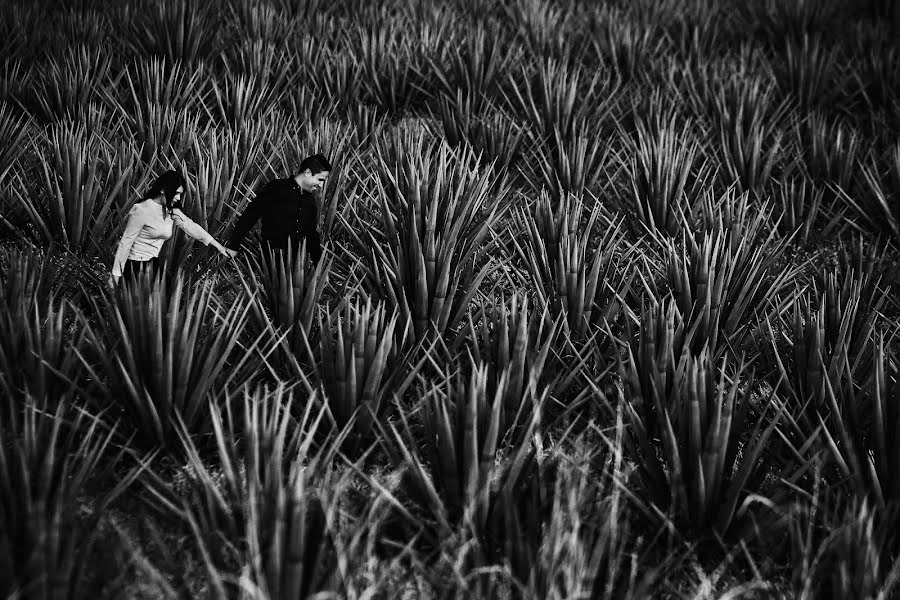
x=113, y=280
x=226, y=252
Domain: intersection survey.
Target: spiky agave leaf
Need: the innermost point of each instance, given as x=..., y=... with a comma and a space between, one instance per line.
x=163, y=351
x=49, y=459
x=156, y=81
x=35, y=346
x=493, y=133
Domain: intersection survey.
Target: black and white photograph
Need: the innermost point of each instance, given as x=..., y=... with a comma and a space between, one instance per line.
x=449, y=299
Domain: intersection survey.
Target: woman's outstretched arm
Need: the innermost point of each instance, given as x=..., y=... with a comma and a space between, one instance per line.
x=198, y=233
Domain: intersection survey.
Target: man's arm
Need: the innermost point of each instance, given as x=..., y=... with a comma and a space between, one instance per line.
x=247, y=220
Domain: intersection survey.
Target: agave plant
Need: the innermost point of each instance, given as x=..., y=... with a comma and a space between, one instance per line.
x=162, y=351
x=64, y=88
x=437, y=208
x=40, y=335
x=777, y=21
x=555, y=98
x=862, y=429
x=629, y=48
x=359, y=357
x=543, y=28
x=391, y=68
x=804, y=215
x=452, y=473
x=158, y=100
x=520, y=342
x=178, y=31
x=877, y=204
x=700, y=452
x=845, y=550
x=749, y=136
x=475, y=69
x=564, y=529
x=15, y=134
x=251, y=91
x=810, y=74
x=830, y=150
x=725, y=277
x=875, y=71
x=84, y=181
x=159, y=82
x=587, y=286
x=497, y=137
x=285, y=292
x=51, y=456
x=259, y=511
x=224, y=166
x=668, y=172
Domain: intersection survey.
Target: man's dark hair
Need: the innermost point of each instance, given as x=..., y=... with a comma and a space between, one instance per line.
x=315, y=163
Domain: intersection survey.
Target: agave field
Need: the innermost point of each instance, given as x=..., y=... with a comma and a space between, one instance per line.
x=605, y=311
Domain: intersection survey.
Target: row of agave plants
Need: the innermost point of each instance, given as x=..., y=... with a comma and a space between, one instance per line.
x=490, y=392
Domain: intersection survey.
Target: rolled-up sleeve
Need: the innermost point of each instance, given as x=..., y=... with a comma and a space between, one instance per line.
x=133, y=227
x=191, y=228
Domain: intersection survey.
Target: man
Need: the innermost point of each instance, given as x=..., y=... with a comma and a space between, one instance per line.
x=288, y=210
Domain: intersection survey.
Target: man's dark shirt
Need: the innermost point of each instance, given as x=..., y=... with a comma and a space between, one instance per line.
x=287, y=212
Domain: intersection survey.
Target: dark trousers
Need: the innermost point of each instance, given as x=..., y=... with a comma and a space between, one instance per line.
x=134, y=269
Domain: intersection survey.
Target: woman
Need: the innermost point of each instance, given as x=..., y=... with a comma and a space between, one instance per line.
x=150, y=223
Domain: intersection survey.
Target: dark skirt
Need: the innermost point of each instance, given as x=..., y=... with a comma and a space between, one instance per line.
x=134, y=269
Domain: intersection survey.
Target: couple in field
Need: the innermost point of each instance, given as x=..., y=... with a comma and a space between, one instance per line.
x=286, y=207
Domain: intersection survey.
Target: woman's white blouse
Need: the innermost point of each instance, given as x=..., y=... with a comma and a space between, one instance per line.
x=147, y=229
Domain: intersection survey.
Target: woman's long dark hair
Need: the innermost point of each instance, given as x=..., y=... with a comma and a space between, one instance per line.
x=166, y=184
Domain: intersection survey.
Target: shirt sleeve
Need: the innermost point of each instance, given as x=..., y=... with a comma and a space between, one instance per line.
x=133, y=226
x=191, y=228
x=247, y=220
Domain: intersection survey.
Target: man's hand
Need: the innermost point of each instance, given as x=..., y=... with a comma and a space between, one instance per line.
x=230, y=253
x=113, y=280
